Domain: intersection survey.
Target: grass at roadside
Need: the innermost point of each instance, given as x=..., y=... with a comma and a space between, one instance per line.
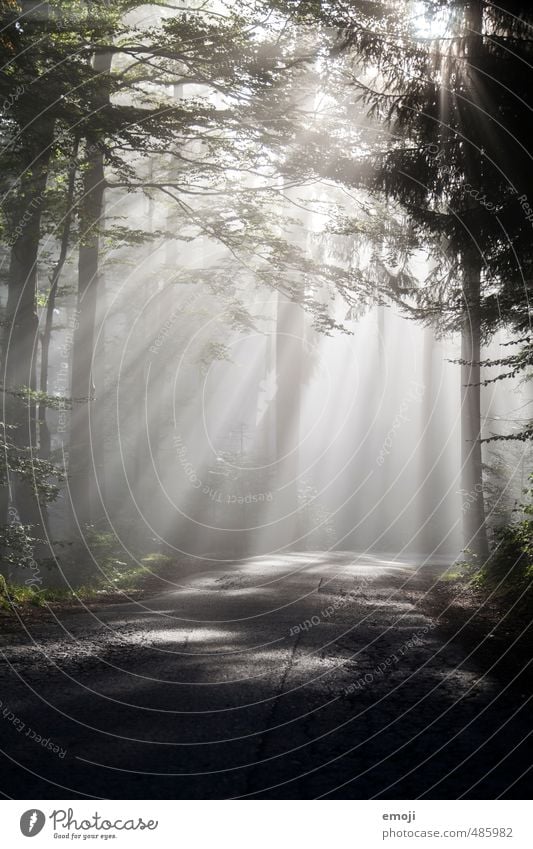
x=113, y=584
x=19, y=595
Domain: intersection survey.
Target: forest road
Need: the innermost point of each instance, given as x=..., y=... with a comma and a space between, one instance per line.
x=293, y=677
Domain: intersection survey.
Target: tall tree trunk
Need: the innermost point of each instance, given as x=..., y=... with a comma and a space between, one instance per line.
x=474, y=527
x=46, y=336
x=82, y=479
x=429, y=489
x=19, y=354
x=289, y=368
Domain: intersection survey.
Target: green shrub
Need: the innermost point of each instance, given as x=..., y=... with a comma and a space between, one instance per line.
x=510, y=566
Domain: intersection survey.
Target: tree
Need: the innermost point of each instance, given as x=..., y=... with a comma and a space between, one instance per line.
x=450, y=94
x=91, y=108
x=221, y=177
x=34, y=113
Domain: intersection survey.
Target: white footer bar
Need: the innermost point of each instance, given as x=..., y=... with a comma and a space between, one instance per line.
x=276, y=824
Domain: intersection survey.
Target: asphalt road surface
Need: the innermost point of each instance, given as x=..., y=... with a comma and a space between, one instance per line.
x=293, y=677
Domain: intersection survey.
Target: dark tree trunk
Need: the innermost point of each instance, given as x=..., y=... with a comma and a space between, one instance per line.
x=474, y=527
x=46, y=336
x=21, y=338
x=82, y=478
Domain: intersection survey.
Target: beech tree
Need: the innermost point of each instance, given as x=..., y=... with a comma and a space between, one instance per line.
x=92, y=108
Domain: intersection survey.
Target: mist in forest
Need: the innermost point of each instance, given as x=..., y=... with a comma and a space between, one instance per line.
x=223, y=442
x=233, y=345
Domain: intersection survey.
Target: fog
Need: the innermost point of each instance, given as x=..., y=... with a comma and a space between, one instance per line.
x=235, y=408
x=225, y=424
